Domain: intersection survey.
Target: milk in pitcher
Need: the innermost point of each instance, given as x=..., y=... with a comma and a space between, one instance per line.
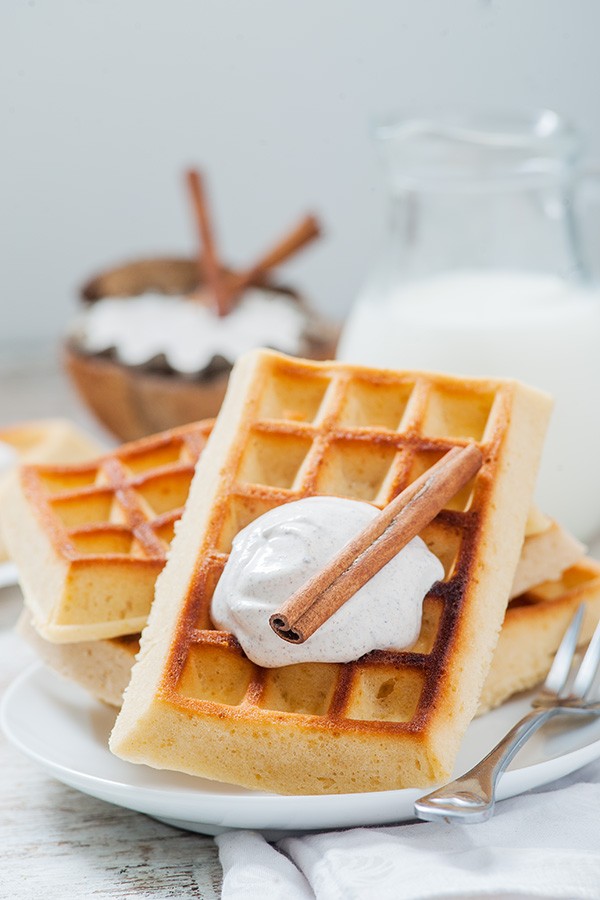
x=540, y=329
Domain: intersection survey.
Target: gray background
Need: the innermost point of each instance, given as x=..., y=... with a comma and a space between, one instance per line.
x=103, y=102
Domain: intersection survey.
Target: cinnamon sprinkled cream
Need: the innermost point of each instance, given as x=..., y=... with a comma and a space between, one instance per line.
x=274, y=556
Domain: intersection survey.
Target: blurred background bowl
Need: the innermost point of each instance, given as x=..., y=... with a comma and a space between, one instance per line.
x=134, y=401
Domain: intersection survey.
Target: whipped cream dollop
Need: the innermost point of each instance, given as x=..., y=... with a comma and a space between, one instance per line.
x=8, y=457
x=187, y=332
x=278, y=552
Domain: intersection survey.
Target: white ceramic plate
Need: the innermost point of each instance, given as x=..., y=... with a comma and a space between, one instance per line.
x=8, y=574
x=60, y=727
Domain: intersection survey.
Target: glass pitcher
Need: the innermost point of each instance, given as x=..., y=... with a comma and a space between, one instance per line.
x=483, y=274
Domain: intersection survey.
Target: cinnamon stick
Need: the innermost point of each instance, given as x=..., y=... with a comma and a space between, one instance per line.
x=208, y=261
x=307, y=230
x=361, y=558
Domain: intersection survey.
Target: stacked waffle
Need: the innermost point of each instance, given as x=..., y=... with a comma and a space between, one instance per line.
x=40, y=441
x=291, y=429
x=90, y=540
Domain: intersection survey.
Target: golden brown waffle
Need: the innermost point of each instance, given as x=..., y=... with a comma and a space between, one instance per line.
x=90, y=540
x=44, y=441
x=532, y=630
x=291, y=429
x=544, y=557
x=101, y=667
x=49, y=441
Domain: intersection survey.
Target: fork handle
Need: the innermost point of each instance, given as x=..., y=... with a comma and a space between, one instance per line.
x=471, y=798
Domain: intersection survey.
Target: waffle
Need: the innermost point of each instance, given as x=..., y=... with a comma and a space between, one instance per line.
x=533, y=627
x=90, y=540
x=547, y=551
x=101, y=667
x=290, y=429
x=44, y=441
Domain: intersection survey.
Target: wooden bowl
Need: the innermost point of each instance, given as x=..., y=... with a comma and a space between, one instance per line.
x=134, y=401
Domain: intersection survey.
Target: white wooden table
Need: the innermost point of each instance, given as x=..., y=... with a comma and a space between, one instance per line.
x=55, y=843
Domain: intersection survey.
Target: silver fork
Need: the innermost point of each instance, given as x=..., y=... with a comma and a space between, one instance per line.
x=471, y=798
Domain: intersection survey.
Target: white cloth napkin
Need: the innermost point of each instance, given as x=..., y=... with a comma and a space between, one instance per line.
x=543, y=844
